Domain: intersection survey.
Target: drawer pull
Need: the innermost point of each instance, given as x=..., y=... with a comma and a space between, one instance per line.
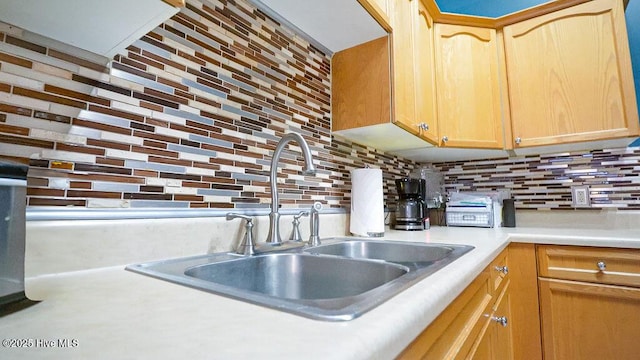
x=502, y=269
x=502, y=320
x=602, y=266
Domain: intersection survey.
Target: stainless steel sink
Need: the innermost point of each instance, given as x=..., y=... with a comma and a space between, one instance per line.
x=337, y=281
x=297, y=276
x=405, y=253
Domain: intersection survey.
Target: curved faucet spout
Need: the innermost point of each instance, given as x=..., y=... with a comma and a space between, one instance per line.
x=309, y=169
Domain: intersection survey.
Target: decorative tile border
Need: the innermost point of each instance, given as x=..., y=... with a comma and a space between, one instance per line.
x=187, y=117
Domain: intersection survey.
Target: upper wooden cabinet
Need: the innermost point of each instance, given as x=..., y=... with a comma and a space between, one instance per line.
x=468, y=95
x=413, y=69
x=569, y=75
x=360, y=80
x=553, y=77
x=388, y=81
x=426, y=113
x=403, y=64
x=382, y=5
x=379, y=10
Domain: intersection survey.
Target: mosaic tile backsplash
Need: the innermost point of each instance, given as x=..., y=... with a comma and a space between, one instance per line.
x=545, y=181
x=188, y=116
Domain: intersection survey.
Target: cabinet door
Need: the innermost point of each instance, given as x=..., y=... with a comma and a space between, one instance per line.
x=496, y=340
x=425, y=75
x=382, y=4
x=570, y=76
x=502, y=338
x=453, y=334
x=589, y=321
x=360, y=84
x=468, y=91
x=404, y=99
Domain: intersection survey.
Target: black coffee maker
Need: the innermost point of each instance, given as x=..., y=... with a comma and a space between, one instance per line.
x=410, y=212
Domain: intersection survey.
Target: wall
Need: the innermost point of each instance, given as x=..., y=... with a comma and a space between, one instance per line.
x=544, y=182
x=187, y=117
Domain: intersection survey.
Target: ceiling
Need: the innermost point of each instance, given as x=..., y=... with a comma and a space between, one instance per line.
x=335, y=24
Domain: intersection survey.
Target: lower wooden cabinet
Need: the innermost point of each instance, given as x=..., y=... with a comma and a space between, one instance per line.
x=542, y=301
x=583, y=316
x=477, y=324
x=495, y=340
x=453, y=334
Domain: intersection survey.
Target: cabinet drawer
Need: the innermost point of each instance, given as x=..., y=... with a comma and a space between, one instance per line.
x=591, y=264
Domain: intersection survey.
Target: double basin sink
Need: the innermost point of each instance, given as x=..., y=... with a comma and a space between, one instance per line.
x=336, y=281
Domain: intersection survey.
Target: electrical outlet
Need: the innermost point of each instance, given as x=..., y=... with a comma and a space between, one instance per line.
x=580, y=196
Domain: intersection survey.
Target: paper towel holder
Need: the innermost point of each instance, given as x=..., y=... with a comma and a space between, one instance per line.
x=367, y=202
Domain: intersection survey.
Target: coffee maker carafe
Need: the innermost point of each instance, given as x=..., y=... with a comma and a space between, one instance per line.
x=410, y=210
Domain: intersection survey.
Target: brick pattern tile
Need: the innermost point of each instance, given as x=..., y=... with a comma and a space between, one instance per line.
x=544, y=182
x=187, y=116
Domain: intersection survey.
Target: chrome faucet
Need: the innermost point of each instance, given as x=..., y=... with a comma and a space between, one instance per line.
x=274, y=217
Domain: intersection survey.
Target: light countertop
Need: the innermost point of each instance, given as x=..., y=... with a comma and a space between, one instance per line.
x=116, y=314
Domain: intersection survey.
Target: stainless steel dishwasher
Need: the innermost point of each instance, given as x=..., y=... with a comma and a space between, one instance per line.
x=13, y=192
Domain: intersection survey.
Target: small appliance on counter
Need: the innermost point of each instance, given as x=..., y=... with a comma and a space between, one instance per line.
x=410, y=212
x=480, y=209
x=13, y=191
x=432, y=190
x=432, y=193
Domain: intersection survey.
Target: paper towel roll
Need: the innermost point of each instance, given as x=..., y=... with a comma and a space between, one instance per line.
x=367, y=203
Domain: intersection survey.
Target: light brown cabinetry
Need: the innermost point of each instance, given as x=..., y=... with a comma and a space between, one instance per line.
x=468, y=86
x=475, y=325
x=454, y=332
x=360, y=83
x=583, y=315
x=389, y=81
x=382, y=5
x=569, y=76
x=379, y=10
x=553, y=74
x=495, y=340
x=426, y=119
x=403, y=64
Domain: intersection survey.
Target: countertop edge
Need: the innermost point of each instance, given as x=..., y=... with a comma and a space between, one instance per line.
x=408, y=313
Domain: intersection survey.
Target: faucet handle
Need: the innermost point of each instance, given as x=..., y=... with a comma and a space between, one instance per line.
x=314, y=224
x=231, y=216
x=246, y=246
x=295, y=233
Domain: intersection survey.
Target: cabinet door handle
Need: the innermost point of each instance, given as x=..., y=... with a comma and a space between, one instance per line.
x=602, y=266
x=502, y=269
x=445, y=139
x=502, y=320
x=518, y=141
